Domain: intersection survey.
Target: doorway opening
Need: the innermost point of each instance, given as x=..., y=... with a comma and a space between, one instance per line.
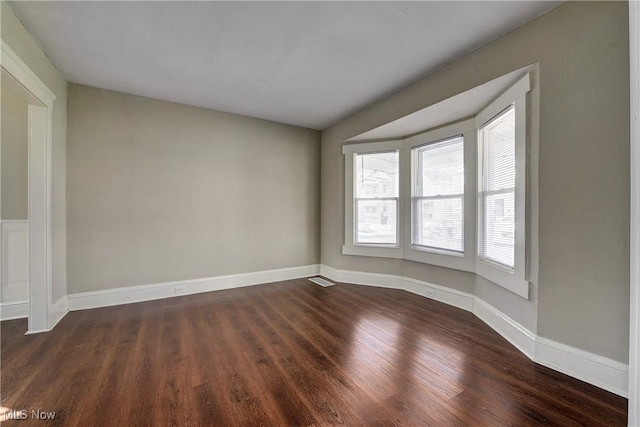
x=14, y=204
x=25, y=85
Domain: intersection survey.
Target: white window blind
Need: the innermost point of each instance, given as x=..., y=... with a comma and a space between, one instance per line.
x=376, y=198
x=438, y=198
x=496, y=196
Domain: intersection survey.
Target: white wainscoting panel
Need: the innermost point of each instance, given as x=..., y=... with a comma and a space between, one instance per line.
x=15, y=261
x=594, y=369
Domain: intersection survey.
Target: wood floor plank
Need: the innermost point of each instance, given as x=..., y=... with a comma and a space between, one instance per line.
x=337, y=397
x=287, y=353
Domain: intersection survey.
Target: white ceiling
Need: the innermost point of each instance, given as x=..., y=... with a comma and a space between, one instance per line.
x=304, y=63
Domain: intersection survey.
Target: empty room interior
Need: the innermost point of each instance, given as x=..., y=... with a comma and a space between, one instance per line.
x=320, y=213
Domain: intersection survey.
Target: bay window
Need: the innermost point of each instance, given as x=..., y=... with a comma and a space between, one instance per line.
x=453, y=196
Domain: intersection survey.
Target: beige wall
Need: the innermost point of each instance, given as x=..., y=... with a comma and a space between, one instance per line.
x=583, y=286
x=19, y=40
x=14, y=150
x=160, y=192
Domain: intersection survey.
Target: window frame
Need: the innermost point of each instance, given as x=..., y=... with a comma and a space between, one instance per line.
x=516, y=279
x=483, y=192
x=350, y=247
x=464, y=261
x=417, y=187
x=357, y=199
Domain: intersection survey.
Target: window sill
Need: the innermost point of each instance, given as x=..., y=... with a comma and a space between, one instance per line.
x=428, y=250
x=373, y=251
x=441, y=259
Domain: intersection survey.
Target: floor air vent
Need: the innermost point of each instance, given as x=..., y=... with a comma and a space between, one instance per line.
x=322, y=282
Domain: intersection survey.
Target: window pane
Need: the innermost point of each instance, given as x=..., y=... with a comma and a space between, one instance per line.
x=500, y=151
x=499, y=242
x=437, y=214
x=377, y=175
x=438, y=223
x=376, y=221
x=441, y=168
x=497, y=195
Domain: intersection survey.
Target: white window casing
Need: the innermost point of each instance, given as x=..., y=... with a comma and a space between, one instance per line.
x=353, y=245
x=496, y=189
x=513, y=278
x=464, y=260
x=373, y=237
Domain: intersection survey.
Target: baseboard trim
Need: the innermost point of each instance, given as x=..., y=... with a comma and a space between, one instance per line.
x=57, y=311
x=594, y=369
x=599, y=371
x=519, y=336
x=362, y=278
x=133, y=294
x=448, y=296
x=14, y=310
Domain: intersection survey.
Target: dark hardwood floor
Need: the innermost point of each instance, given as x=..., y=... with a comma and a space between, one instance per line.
x=287, y=354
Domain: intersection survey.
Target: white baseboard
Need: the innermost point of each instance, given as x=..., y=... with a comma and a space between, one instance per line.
x=109, y=297
x=599, y=371
x=519, y=336
x=362, y=278
x=14, y=310
x=448, y=296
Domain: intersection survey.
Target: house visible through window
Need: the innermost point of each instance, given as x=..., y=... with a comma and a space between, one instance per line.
x=376, y=198
x=438, y=199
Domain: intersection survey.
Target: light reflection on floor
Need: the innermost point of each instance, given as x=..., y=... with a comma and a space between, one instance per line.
x=386, y=355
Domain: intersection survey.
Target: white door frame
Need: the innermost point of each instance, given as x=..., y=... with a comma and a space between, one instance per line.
x=634, y=318
x=19, y=77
